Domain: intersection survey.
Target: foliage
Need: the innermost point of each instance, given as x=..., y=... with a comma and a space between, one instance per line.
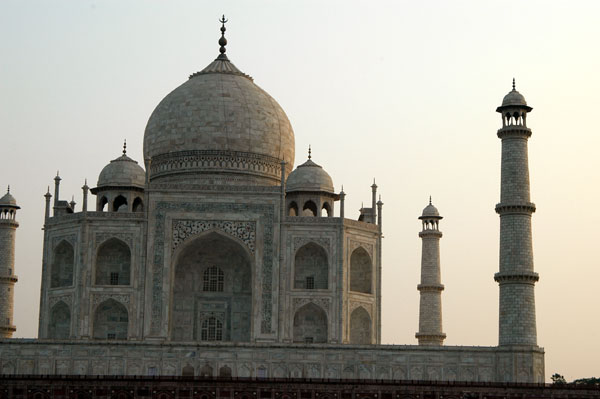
x=594, y=381
x=558, y=379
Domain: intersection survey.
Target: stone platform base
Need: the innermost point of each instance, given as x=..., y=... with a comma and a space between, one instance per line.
x=270, y=360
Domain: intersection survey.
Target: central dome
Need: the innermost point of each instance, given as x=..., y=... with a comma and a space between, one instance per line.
x=219, y=127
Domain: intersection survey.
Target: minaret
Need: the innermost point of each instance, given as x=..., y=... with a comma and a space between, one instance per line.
x=516, y=277
x=430, y=308
x=8, y=229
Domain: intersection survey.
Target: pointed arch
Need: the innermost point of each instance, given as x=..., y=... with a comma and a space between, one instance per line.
x=310, y=324
x=119, y=204
x=361, y=271
x=111, y=320
x=360, y=327
x=221, y=309
x=309, y=209
x=293, y=209
x=59, y=326
x=138, y=205
x=311, y=267
x=63, y=260
x=326, y=210
x=102, y=204
x=113, y=263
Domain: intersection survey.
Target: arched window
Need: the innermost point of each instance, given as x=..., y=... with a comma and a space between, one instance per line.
x=120, y=204
x=293, y=209
x=61, y=274
x=102, y=204
x=59, y=326
x=188, y=371
x=113, y=263
x=138, y=205
x=212, y=329
x=190, y=302
x=206, y=371
x=213, y=279
x=326, y=210
x=111, y=320
x=361, y=270
x=311, y=268
x=225, y=371
x=310, y=324
x=360, y=327
x=309, y=209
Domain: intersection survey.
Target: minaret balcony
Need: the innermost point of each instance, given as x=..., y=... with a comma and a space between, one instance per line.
x=522, y=208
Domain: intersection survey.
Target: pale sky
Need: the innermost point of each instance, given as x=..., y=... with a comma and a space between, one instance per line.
x=402, y=91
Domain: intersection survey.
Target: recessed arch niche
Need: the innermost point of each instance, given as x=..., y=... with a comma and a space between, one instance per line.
x=59, y=326
x=311, y=268
x=361, y=271
x=61, y=274
x=310, y=324
x=360, y=327
x=193, y=302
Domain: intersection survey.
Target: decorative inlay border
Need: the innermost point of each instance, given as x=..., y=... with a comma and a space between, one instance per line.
x=53, y=300
x=367, y=306
x=100, y=238
x=323, y=303
x=244, y=231
x=70, y=238
x=121, y=298
x=325, y=242
x=267, y=215
x=215, y=160
x=368, y=247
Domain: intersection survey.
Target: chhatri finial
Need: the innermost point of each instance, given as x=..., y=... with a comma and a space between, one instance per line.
x=514, y=84
x=8, y=189
x=222, y=40
x=125, y=147
x=430, y=200
x=309, y=152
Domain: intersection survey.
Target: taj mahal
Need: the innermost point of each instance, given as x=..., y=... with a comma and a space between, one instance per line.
x=214, y=256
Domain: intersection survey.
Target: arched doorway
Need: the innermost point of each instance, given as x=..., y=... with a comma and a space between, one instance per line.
x=212, y=290
x=310, y=324
x=360, y=327
x=361, y=271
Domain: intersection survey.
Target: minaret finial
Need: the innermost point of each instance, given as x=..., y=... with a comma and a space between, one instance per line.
x=514, y=84
x=8, y=189
x=309, y=152
x=222, y=40
x=430, y=200
x=124, y=146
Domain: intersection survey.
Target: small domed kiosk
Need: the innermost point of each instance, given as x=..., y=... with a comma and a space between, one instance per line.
x=309, y=191
x=120, y=186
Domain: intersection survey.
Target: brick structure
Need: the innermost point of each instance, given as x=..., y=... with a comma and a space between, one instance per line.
x=8, y=231
x=430, y=308
x=516, y=276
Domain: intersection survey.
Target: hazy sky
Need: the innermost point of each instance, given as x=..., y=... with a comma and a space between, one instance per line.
x=402, y=91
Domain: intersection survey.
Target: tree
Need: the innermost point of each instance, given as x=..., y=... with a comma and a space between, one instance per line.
x=558, y=379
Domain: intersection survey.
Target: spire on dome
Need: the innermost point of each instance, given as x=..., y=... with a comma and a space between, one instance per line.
x=8, y=189
x=309, y=152
x=430, y=200
x=222, y=40
x=125, y=147
x=514, y=89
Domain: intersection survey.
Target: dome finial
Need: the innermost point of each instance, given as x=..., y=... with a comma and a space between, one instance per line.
x=309, y=152
x=222, y=40
x=430, y=200
x=124, y=146
x=514, y=84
